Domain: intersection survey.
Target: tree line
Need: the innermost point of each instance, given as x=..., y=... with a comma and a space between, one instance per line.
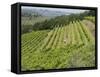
x=59, y=20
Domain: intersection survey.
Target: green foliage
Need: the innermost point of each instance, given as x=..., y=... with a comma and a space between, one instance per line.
x=37, y=22
x=65, y=46
x=28, y=23
x=91, y=18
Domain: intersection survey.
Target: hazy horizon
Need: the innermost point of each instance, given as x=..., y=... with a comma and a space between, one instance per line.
x=54, y=9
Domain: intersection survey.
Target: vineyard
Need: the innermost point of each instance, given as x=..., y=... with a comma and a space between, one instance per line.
x=64, y=46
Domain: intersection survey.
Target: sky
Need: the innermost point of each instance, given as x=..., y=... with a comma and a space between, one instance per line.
x=55, y=9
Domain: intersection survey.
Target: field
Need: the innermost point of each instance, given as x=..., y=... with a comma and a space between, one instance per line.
x=64, y=46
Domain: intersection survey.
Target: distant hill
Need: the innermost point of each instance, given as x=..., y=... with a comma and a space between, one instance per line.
x=41, y=12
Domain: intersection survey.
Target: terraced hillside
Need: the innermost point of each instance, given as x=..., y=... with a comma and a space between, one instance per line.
x=67, y=46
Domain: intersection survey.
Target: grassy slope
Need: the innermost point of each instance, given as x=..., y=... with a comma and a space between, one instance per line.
x=90, y=25
x=63, y=47
x=91, y=18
